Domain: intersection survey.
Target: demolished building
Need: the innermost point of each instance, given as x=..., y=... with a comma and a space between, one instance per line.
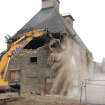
x=56, y=66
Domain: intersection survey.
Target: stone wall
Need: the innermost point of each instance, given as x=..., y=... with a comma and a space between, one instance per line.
x=34, y=74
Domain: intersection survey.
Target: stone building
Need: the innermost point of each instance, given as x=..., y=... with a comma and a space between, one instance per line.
x=51, y=67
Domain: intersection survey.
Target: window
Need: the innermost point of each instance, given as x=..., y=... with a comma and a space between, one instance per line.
x=33, y=60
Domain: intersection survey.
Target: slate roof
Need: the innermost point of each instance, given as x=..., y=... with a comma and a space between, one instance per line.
x=45, y=18
x=48, y=18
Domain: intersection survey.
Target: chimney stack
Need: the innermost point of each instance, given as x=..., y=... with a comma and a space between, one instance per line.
x=50, y=3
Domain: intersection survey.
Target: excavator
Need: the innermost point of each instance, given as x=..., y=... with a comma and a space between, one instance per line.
x=18, y=44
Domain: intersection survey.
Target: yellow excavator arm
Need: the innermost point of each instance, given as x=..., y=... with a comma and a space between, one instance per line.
x=6, y=57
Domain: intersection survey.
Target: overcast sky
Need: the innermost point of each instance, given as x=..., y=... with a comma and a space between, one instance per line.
x=89, y=21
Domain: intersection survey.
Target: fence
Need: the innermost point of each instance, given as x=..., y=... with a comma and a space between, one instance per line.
x=93, y=92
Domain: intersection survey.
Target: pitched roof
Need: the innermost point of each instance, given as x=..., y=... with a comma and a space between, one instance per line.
x=45, y=18
x=49, y=18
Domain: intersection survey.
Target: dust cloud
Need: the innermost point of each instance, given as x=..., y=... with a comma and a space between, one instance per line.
x=62, y=63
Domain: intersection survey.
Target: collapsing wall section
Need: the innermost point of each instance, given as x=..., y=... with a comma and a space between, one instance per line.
x=70, y=64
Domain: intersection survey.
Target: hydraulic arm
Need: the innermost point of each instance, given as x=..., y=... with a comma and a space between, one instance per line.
x=28, y=36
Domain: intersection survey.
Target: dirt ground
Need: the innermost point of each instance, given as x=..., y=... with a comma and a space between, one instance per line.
x=39, y=100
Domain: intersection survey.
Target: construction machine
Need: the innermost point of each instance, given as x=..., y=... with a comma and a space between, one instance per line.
x=16, y=45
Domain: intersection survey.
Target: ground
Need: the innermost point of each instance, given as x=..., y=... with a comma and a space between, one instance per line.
x=41, y=100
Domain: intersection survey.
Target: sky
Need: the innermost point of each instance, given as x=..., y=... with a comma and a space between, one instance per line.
x=89, y=21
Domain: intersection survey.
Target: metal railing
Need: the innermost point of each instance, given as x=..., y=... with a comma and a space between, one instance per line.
x=84, y=84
